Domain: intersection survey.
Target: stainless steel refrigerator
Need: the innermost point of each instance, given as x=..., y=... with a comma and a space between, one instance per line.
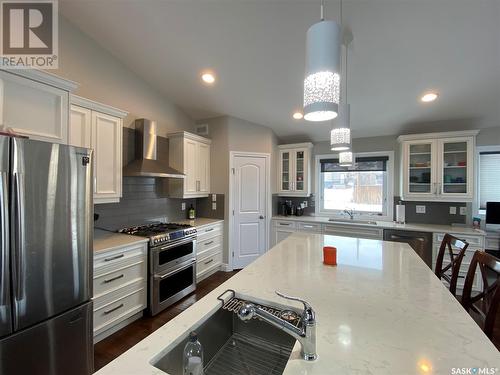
x=45, y=259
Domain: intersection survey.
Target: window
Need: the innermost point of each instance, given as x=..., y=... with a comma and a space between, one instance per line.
x=365, y=187
x=489, y=175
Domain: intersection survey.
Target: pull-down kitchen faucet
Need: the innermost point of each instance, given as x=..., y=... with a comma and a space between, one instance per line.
x=305, y=333
x=350, y=213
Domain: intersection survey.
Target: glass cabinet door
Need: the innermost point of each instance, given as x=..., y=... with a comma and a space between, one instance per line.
x=299, y=170
x=285, y=171
x=454, y=164
x=420, y=179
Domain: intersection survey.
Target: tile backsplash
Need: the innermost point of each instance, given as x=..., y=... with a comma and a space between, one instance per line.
x=435, y=212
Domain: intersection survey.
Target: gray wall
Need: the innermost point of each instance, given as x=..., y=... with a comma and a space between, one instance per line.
x=105, y=79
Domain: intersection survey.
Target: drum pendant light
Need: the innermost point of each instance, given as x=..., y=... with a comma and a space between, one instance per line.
x=345, y=159
x=322, y=76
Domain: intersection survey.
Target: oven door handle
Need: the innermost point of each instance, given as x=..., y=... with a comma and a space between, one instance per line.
x=175, y=244
x=173, y=272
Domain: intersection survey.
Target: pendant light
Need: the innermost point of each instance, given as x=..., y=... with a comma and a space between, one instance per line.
x=322, y=78
x=345, y=158
x=340, y=135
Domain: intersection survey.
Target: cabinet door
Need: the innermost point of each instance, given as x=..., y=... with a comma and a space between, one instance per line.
x=203, y=168
x=301, y=160
x=286, y=178
x=419, y=169
x=107, y=144
x=280, y=234
x=80, y=127
x=191, y=152
x=455, y=167
x=34, y=109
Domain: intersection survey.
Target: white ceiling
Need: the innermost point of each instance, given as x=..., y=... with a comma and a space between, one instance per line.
x=401, y=48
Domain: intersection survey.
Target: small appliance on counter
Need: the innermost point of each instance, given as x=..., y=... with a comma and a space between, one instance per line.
x=283, y=209
x=299, y=211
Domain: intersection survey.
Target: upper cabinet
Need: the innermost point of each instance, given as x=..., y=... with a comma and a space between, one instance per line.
x=98, y=126
x=190, y=154
x=438, y=166
x=294, y=170
x=35, y=104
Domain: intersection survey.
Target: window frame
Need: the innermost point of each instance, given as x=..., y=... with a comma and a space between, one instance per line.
x=388, y=191
x=476, y=202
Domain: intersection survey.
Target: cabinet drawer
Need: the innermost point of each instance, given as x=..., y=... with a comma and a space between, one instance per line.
x=206, y=263
x=209, y=231
x=310, y=227
x=354, y=231
x=474, y=241
x=119, y=257
x=113, y=312
x=115, y=279
x=284, y=224
x=469, y=253
x=476, y=284
x=209, y=246
x=492, y=243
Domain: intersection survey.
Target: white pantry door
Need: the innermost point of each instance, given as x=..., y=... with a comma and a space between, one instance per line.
x=249, y=205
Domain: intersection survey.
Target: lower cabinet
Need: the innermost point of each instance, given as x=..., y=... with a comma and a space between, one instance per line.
x=209, y=245
x=475, y=243
x=349, y=230
x=120, y=288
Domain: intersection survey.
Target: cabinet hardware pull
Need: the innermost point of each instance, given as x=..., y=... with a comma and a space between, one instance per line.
x=209, y=229
x=208, y=243
x=113, y=309
x=114, y=258
x=285, y=224
x=308, y=226
x=209, y=261
x=114, y=278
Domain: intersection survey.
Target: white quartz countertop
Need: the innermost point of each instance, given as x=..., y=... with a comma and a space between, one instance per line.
x=389, y=225
x=105, y=241
x=380, y=311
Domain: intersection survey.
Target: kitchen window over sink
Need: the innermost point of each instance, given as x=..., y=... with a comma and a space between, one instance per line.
x=365, y=188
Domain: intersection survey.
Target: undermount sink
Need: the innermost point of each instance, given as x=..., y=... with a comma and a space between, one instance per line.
x=353, y=221
x=231, y=346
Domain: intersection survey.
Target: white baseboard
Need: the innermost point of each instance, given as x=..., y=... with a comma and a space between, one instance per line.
x=226, y=267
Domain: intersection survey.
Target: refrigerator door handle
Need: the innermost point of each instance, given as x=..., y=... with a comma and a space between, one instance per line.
x=4, y=251
x=19, y=250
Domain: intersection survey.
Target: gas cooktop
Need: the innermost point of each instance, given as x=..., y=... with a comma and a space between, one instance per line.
x=160, y=233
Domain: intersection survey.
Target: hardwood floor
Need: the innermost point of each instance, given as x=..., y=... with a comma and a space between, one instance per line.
x=116, y=344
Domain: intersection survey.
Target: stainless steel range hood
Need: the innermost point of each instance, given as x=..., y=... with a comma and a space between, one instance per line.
x=145, y=164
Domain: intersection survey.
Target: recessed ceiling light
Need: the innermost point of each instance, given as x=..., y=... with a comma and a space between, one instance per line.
x=298, y=115
x=429, y=97
x=208, y=78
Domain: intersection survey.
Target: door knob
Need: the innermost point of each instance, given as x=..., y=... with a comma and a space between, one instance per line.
x=261, y=217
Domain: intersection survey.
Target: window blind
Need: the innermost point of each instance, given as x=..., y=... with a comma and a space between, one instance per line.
x=362, y=164
x=489, y=177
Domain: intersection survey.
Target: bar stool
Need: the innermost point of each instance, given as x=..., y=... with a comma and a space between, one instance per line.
x=449, y=245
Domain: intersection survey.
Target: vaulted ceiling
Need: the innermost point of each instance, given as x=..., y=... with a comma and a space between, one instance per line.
x=401, y=48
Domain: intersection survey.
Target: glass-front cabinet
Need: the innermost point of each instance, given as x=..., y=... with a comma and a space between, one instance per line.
x=438, y=167
x=294, y=170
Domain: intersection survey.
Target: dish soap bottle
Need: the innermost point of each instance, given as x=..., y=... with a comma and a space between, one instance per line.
x=193, y=356
x=191, y=213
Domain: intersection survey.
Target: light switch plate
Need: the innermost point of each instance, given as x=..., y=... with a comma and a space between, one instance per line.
x=183, y=206
x=420, y=209
x=214, y=206
x=453, y=210
x=214, y=197
x=463, y=211
x=304, y=204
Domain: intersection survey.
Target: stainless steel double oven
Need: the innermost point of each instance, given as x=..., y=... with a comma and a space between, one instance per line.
x=172, y=272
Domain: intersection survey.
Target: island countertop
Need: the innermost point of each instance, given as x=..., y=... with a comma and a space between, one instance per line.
x=381, y=310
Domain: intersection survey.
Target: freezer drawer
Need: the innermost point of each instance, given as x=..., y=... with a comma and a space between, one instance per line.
x=60, y=346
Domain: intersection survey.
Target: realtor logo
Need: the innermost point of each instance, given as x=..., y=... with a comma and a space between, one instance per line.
x=29, y=32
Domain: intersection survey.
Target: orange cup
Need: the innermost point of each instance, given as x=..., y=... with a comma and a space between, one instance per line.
x=330, y=255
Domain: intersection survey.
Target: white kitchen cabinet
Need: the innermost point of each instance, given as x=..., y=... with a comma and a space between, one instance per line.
x=35, y=104
x=190, y=154
x=294, y=170
x=438, y=166
x=356, y=231
x=100, y=127
x=281, y=229
x=120, y=288
x=209, y=245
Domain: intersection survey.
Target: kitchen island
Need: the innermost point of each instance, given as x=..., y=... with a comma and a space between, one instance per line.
x=380, y=311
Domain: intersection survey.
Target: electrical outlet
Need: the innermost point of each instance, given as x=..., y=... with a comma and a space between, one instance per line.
x=214, y=206
x=214, y=197
x=463, y=211
x=304, y=204
x=453, y=210
x=183, y=206
x=420, y=209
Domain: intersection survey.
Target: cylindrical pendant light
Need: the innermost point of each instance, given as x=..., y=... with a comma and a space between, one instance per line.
x=340, y=135
x=345, y=159
x=322, y=78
